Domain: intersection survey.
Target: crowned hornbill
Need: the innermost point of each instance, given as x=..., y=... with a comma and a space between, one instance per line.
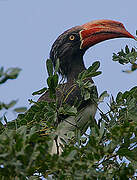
x=70, y=47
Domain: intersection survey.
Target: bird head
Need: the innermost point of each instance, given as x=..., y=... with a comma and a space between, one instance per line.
x=71, y=45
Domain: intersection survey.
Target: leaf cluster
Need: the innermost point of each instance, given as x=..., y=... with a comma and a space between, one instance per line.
x=126, y=56
x=10, y=73
x=52, y=80
x=107, y=151
x=88, y=89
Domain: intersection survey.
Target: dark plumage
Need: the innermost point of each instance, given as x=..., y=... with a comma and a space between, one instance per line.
x=71, y=64
x=68, y=51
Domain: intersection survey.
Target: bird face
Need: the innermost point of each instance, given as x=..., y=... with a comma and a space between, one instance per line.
x=66, y=48
x=70, y=46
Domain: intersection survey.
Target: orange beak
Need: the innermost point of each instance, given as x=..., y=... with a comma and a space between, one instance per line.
x=100, y=30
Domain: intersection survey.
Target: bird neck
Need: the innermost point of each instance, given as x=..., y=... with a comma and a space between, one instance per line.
x=77, y=66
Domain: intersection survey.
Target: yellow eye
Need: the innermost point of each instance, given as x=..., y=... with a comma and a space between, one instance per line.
x=71, y=37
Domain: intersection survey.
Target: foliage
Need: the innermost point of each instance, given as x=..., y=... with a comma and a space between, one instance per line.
x=10, y=73
x=108, y=151
x=127, y=56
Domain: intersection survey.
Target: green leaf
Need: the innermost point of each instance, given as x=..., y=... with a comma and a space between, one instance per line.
x=86, y=95
x=57, y=66
x=72, y=110
x=94, y=66
x=41, y=91
x=20, y=109
x=102, y=129
x=93, y=74
x=55, y=79
x=102, y=96
x=11, y=104
x=127, y=49
x=12, y=73
x=49, y=82
x=119, y=97
x=52, y=82
x=90, y=72
x=82, y=75
x=49, y=65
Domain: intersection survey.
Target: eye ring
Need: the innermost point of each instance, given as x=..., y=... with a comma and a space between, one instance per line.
x=71, y=37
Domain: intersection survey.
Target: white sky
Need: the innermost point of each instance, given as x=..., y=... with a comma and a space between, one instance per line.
x=29, y=27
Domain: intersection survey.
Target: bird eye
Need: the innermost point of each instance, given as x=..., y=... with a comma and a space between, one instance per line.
x=71, y=37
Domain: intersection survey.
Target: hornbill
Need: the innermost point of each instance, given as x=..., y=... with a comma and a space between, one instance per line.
x=69, y=48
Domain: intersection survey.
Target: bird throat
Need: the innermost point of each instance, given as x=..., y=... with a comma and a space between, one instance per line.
x=76, y=67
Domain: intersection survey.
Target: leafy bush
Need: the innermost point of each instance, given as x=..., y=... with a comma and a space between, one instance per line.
x=108, y=151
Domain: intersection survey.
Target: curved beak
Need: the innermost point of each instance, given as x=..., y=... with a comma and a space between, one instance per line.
x=100, y=30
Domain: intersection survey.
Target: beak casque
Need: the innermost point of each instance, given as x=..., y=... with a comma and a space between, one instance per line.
x=100, y=30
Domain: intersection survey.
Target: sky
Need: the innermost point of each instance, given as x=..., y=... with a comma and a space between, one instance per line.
x=28, y=29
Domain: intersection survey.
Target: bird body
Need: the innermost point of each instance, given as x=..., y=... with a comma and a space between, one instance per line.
x=69, y=48
x=67, y=128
